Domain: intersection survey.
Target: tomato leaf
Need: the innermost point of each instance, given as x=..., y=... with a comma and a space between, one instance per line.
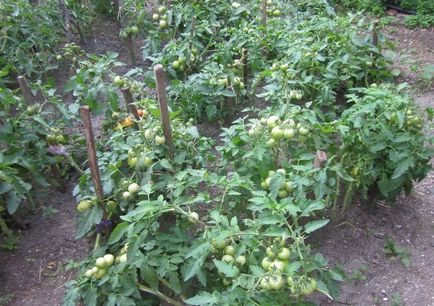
x=227, y=269
x=314, y=225
x=203, y=298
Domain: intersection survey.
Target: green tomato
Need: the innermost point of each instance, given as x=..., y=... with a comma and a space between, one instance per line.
x=290, y=282
x=148, y=161
x=283, y=171
x=277, y=265
x=264, y=185
x=284, y=254
x=193, y=217
x=155, y=17
x=219, y=244
x=162, y=9
x=134, y=29
x=133, y=188
x=230, y=250
x=303, y=131
x=271, y=143
x=160, y=140
x=272, y=121
x=59, y=57
x=100, y=263
x=109, y=259
x=122, y=258
x=276, y=13
x=126, y=195
x=176, y=65
x=89, y=273
x=265, y=283
x=276, y=132
x=266, y=262
x=288, y=133
x=270, y=253
x=289, y=186
x=276, y=282
x=282, y=194
x=308, y=286
x=132, y=162
x=163, y=24
x=228, y=259
x=100, y=273
x=84, y=205
x=241, y=260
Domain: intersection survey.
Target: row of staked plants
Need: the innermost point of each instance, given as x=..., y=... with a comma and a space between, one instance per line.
x=228, y=223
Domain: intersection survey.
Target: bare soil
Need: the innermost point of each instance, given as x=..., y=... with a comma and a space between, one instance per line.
x=34, y=274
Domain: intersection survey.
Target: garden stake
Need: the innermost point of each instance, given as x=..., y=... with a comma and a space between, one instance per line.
x=164, y=111
x=90, y=144
x=264, y=13
x=131, y=49
x=25, y=90
x=67, y=19
x=128, y=96
x=320, y=158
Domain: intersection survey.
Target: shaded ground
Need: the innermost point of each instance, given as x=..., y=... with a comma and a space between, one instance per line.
x=34, y=274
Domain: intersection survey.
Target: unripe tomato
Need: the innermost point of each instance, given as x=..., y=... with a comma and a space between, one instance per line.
x=276, y=132
x=266, y=262
x=228, y=259
x=270, y=252
x=276, y=13
x=162, y=9
x=276, y=282
x=283, y=171
x=264, y=185
x=282, y=193
x=176, y=65
x=100, y=273
x=288, y=133
x=132, y=162
x=289, y=186
x=219, y=244
x=272, y=121
x=230, y=250
x=148, y=161
x=271, y=143
x=123, y=258
x=126, y=195
x=109, y=259
x=290, y=282
x=303, y=131
x=265, y=283
x=194, y=217
x=163, y=24
x=155, y=16
x=277, y=265
x=100, y=263
x=133, y=188
x=148, y=134
x=241, y=260
x=284, y=254
x=134, y=30
x=59, y=57
x=160, y=140
x=308, y=286
x=84, y=205
x=88, y=273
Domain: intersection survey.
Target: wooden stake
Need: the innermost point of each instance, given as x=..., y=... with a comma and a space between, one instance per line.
x=131, y=49
x=375, y=35
x=264, y=13
x=320, y=158
x=91, y=151
x=67, y=19
x=25, y=90
x=128, y=96
x=164, y=111
x=244, y=57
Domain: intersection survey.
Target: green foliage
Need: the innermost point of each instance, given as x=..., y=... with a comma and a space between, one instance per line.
x=395, y=251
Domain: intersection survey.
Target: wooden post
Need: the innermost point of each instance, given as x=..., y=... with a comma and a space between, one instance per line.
x=129, y=102
x=320, y=158
x=25, y=90
x=375, y=34
x=131, y=49
x=67, y=19
x=244, y=57
x=264, y=13
x=91, y=151
x=164, y=111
